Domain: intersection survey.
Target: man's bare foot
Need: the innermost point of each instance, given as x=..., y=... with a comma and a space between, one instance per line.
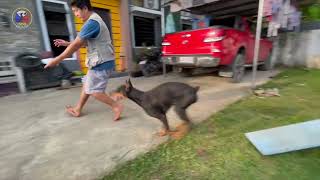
x=116, y=96
x=117, y=112
x=73, y=111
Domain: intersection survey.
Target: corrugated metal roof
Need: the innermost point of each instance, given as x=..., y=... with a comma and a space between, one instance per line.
x=219, y=8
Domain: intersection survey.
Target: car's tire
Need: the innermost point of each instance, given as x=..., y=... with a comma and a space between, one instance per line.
x=267, y=65
x=187, y=72
x=136, y=73
x=238, y=68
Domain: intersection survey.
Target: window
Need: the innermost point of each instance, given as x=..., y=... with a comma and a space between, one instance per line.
x=4, y=21
x=144, y=31
x=264, y=28
x=149, y=4
x=186, y=27
x=57, y=29
x=55, y=23
x=227, y=22
x=137, y=3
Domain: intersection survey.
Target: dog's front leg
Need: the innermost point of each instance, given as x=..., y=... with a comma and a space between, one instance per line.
x=157, y=113
x=166, y=129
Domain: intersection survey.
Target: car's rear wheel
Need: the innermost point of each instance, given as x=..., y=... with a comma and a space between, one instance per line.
x=187, y=72
x=238, y=68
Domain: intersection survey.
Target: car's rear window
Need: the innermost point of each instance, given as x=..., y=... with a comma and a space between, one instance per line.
x=227, y=22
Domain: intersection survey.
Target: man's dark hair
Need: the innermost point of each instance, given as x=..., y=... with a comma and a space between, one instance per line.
x=81, y=4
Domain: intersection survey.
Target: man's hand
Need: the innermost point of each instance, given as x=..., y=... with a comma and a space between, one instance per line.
x=54, y=62
x=61, y=42
x=72, y=47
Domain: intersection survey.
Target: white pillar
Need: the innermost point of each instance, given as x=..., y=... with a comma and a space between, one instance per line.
x=20, y=80
x=257, y=43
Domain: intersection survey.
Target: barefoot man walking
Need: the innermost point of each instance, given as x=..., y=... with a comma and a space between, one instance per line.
x=100, y=58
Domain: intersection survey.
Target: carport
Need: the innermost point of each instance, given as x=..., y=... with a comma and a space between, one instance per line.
x=224, y=8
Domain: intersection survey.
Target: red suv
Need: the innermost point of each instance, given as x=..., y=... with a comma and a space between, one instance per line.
x=229, y=49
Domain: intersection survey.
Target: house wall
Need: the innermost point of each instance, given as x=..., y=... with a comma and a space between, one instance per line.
x=13, y=40
x=298, y=49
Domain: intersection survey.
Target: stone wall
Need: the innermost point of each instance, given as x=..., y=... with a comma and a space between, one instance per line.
x=14, y=40
x=298, y=49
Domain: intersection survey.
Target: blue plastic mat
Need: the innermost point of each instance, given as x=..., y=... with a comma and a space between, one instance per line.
x=286, y=138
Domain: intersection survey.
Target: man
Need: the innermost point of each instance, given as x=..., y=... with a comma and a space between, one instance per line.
x=100, y=57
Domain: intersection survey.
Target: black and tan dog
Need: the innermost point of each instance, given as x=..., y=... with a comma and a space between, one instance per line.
x=157, y=101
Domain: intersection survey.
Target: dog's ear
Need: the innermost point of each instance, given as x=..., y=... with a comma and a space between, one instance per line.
x=128, y=85
x=129, y=82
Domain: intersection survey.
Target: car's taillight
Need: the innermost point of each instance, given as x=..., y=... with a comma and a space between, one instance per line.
x=166, y=44
x=214, y=50
x=214, y=36
x=213, y=39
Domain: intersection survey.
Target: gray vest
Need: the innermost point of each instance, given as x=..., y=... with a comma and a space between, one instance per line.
x=100, y=49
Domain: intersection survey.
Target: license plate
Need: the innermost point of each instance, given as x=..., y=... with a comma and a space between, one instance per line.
x=188, y=60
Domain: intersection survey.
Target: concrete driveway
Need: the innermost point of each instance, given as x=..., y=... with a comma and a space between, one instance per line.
x=39, y=141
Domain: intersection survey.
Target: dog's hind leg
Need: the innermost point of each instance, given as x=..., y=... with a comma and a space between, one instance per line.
x=182, y=114
x=182, y=105
x=185, y=127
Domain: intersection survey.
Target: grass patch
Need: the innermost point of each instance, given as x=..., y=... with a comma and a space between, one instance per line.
x=218, y=149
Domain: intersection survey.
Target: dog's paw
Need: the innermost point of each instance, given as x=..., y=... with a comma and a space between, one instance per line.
x=184, y=127
x=165, y=132
x=162, y=132
x=182, y=130
x=178, y=135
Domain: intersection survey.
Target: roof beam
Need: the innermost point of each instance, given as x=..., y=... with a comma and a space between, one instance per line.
x=236, y=10
x=228, y=4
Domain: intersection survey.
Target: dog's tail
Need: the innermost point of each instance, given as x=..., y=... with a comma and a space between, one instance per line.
x=196, y=89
